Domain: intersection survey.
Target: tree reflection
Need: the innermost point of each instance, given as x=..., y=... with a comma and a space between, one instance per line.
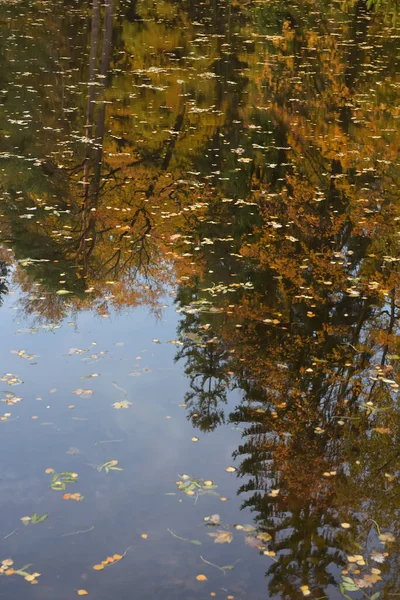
x=255, y=162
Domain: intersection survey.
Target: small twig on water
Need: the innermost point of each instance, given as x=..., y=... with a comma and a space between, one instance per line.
x=178, y=537
x=377, y=526
x=10, y=534
x=223, y=569
x=124, y=554
x=77, y=532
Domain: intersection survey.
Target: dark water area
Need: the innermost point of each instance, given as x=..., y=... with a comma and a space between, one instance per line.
x=200, y=296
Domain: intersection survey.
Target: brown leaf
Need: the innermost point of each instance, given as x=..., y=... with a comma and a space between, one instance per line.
x=253, y=542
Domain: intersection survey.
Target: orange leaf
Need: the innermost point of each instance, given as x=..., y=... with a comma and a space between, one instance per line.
x=201, y=578
x=66, y=496
x=49, y=471
x=82, y=593
x=117, y=556
x=98, y=567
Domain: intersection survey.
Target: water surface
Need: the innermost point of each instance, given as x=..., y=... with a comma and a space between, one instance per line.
x=199, y=291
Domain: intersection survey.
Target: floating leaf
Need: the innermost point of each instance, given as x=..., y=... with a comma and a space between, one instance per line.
x=82, y=593
x=83, y=393
x=36, y=519
x=222, y=537
x=377, y=556
x=11, y=379
x=7, y=562
x=386, y=537
x=201, y=577
x=264, y=536
x=253, y=542
x=213, y=519
x=349, y=585
x=122, y=404
x=368, y=580
x=110, y=465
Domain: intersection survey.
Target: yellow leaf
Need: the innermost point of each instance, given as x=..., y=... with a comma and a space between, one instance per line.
x=82, y=593
x=29, y=577
x=230, y=469
x=221, y=537
x=208, y=482
x=7, y=562
x=144, y=536
x=49, y=471
x=117, y=556
x=345, y=525
x=264, y=536
x=98, y=567
x=223, y=499
x=201, y=578
x=195, y=439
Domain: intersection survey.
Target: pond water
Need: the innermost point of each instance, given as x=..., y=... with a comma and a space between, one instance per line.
x=200, y=296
